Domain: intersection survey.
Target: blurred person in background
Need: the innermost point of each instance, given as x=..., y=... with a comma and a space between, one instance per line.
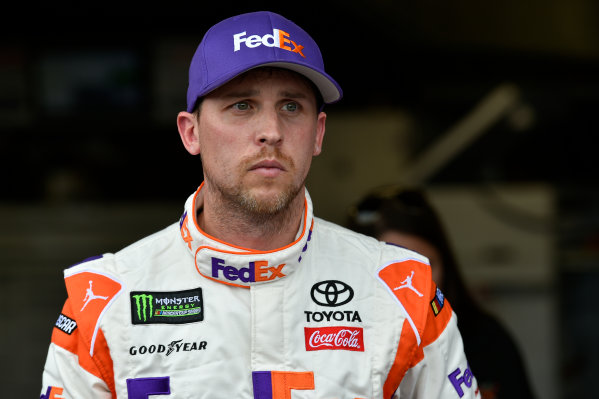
x=405, y=217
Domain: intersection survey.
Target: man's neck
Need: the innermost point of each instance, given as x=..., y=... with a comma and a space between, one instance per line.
x=237, y=227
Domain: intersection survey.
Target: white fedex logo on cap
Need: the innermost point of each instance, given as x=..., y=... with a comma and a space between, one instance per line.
x=278, y=38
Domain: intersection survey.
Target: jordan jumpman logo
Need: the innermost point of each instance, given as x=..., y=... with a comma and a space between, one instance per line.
x=90, y=295
x=407, y=283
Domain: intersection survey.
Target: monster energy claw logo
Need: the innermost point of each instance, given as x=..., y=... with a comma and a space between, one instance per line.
x=173, y=307
x=142, y=303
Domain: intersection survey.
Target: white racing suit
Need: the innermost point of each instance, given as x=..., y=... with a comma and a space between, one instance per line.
x=181, y=314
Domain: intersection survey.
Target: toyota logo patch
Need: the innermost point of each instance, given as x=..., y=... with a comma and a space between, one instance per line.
x=331, y=293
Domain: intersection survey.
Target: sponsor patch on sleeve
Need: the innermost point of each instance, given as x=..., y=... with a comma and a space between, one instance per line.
x=65, y=324
x=437, y=302
x=174, y=307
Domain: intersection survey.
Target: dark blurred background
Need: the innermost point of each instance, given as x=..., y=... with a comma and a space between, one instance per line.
x=489, y=105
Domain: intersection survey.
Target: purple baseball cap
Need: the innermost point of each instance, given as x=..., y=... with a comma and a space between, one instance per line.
x=247, y=41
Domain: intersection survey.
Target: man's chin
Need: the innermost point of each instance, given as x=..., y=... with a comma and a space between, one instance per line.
x=269, y=201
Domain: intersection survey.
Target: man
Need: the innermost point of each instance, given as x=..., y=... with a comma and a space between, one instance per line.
x=250, y=295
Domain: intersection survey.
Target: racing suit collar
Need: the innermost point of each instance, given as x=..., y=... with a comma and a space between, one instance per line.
x=238, y=266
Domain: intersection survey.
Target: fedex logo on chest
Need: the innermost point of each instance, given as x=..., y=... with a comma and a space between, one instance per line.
x=256, y=271
x=278, y=38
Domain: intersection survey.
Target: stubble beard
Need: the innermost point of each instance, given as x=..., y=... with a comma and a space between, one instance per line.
x=267, y=207
x=238, y=199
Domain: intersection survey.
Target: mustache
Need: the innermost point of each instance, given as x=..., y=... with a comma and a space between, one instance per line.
x=271, y=154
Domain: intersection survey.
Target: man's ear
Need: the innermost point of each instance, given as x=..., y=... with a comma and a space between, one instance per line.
x=189, y=132
x=320, y=128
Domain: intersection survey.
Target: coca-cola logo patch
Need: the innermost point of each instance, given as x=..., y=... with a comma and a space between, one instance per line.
x=334, y=338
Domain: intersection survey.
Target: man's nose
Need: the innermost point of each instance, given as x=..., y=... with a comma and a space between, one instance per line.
x=268, y=130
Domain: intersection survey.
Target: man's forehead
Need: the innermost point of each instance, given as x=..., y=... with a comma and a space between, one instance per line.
x=250, y=82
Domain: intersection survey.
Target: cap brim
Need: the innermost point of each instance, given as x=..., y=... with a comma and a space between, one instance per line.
x=329, y=89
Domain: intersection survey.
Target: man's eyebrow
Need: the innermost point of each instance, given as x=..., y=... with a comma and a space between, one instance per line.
x=293, y=94
x=236, y=94
x=239, y=93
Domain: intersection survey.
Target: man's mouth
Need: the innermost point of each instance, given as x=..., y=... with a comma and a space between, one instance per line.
x=268, y=168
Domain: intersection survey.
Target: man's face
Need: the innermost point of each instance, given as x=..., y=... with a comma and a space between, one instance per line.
x=257, y=136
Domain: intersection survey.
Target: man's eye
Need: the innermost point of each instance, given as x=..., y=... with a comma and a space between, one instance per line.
x=241, y=106
x=292, y=107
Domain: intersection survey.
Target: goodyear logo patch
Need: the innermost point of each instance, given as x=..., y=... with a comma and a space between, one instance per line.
x=175, y=307
x=437, y=302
